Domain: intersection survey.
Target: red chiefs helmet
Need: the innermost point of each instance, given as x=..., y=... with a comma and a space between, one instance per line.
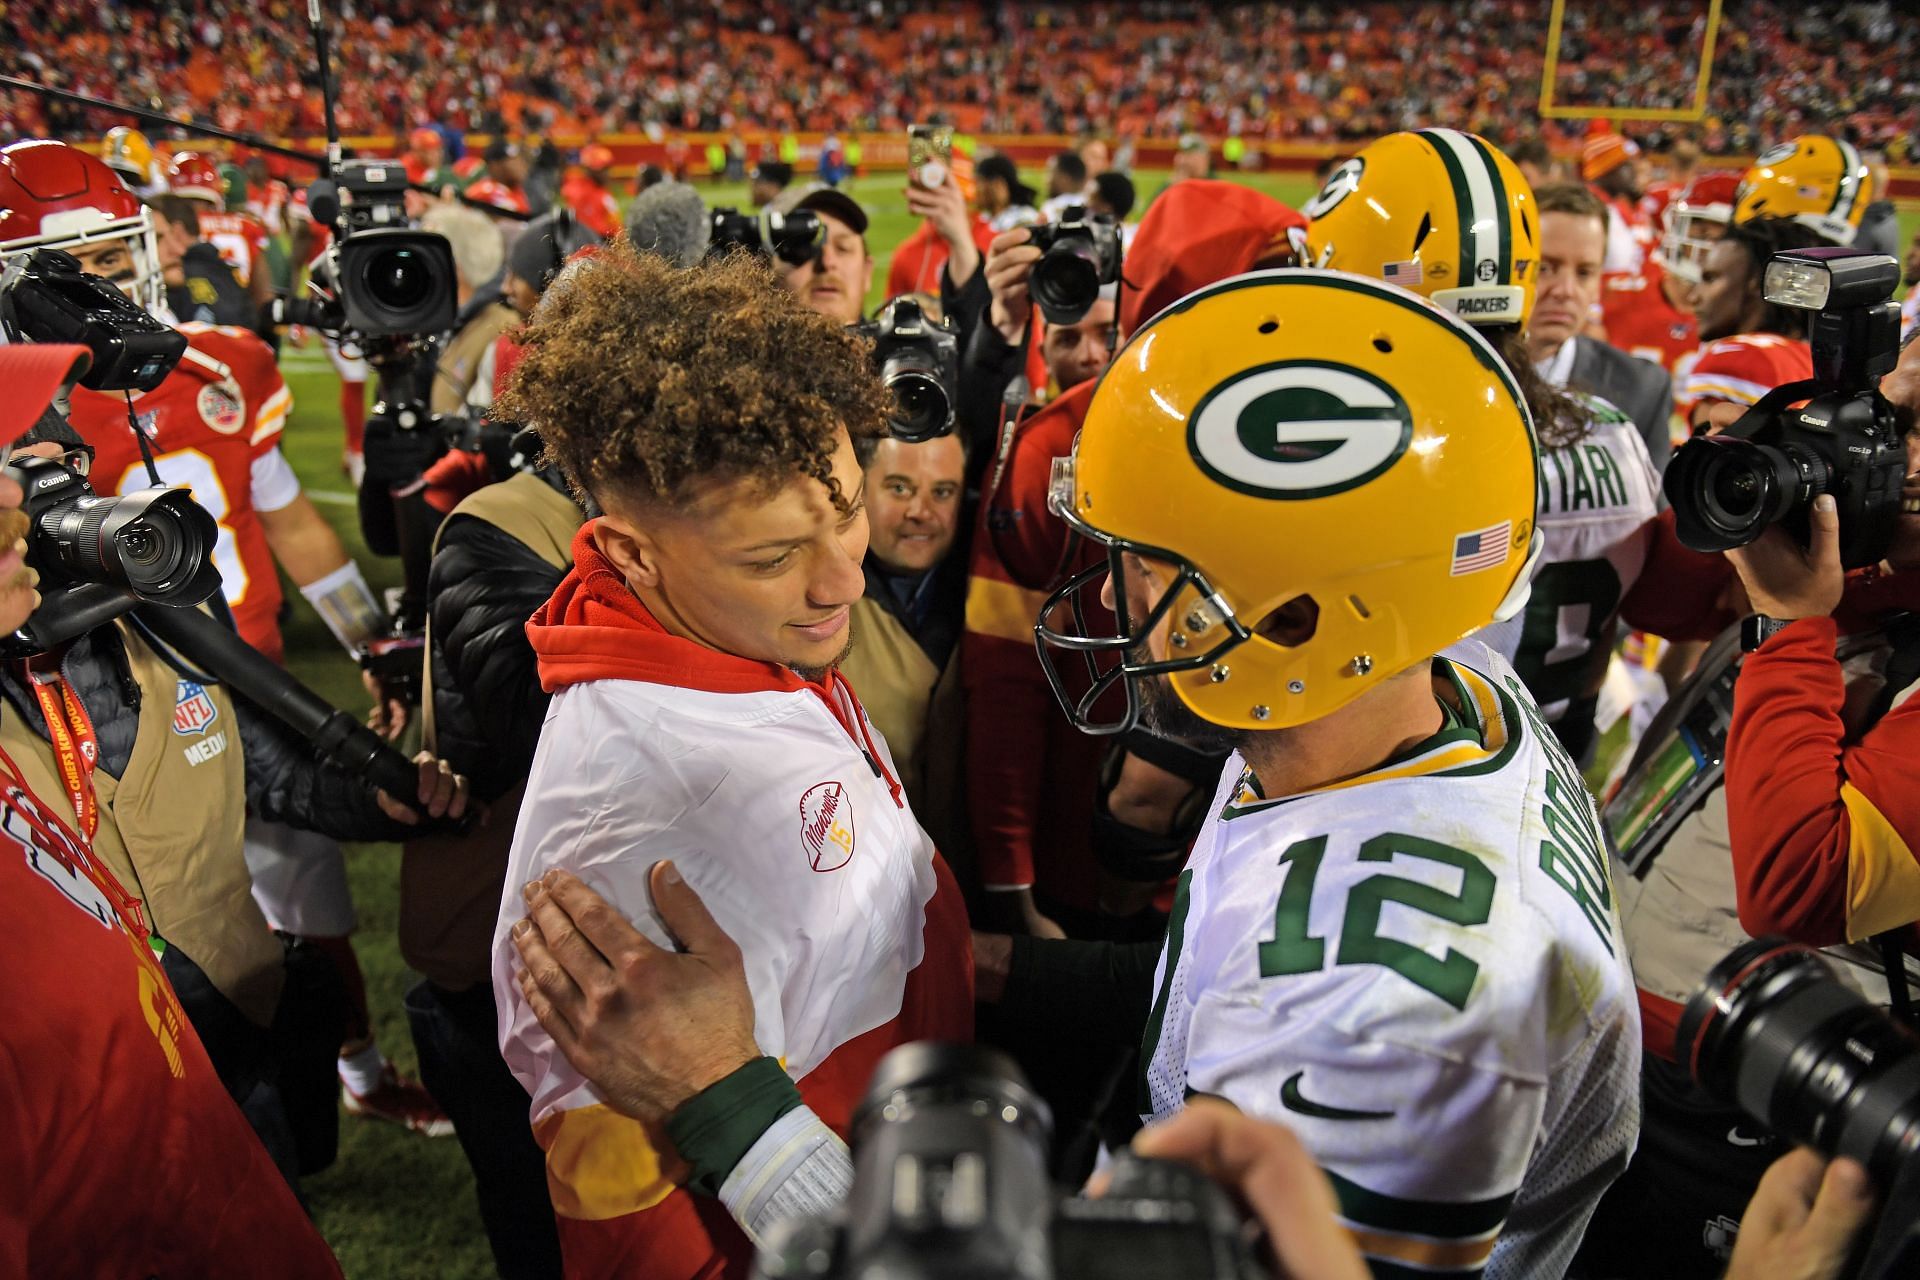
x=55, y=196
x=497, y=194
x=1695, y=220
x=192, y=175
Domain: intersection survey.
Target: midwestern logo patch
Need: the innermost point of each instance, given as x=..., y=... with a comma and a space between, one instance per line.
x=826, y=826
x=193, y=710
x=1340, y=184
x=222, y=407
x=1299, y=429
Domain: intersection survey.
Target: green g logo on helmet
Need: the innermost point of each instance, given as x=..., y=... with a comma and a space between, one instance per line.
x=1299, y=429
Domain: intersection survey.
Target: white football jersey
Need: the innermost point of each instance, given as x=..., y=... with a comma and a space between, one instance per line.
x=1595, y=498
x=1421, y=972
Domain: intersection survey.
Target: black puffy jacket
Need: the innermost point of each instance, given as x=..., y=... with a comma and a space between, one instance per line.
x=488, y=705
x=286, y=781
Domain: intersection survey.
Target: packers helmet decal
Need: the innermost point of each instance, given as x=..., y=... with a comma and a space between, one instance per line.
x=1775, y=154
x=1486, y=233
x=1341, y=183
x=1820, y=182
x=1299, y=429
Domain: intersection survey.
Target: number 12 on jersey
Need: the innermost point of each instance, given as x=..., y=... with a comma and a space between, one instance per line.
x=1294, y=949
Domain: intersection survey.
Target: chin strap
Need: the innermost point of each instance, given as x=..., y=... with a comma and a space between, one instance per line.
x=1516, y=599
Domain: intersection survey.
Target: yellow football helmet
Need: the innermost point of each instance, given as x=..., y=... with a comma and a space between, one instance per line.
x=1443, y=213
x=128, y=153
x=1286, y=434
x=1819, y=182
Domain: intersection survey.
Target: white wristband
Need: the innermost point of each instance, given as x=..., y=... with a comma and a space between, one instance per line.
x=346, y=604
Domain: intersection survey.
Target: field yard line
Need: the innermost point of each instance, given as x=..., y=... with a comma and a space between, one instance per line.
x=334, y=496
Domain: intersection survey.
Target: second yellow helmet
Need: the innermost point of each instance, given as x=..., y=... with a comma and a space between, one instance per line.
x=1819, y=182
x=1443, y=213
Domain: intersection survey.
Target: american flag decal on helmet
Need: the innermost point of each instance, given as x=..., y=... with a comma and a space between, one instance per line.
x=1481, y=549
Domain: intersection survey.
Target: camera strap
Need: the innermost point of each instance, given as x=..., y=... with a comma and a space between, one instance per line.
x=76, y=748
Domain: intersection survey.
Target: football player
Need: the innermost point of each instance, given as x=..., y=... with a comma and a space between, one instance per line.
x=1650, y=313
x=214, y=425
x=1751, y=345
x=240, y=237
x=1819, y=182
x=128, y=153
x=1475, y=254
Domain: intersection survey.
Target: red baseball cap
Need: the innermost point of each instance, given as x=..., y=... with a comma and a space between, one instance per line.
x=32, y=373
x=1197, y=233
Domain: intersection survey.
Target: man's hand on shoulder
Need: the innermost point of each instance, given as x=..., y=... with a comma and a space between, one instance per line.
x=648, y=1027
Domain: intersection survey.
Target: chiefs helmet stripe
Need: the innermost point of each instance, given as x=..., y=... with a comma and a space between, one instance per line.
x=1847, y=191
x=1483, y=224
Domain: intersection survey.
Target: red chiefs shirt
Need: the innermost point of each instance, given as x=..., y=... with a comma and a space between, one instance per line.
x=241, y=239
x=218, y=412
x=593, y=204
x=1743, y=368
x=124, y=1154
x=1642, y=322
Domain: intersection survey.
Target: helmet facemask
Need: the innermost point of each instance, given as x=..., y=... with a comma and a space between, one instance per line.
x=1075, y=620
x=73, y=229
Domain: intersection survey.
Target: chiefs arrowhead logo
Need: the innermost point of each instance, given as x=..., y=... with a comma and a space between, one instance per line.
x=826, y=826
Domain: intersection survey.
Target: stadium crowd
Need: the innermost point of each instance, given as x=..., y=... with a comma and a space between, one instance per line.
x=1260, y=71
x=1401, y=704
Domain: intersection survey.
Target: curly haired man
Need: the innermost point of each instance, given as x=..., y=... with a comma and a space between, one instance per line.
x=699, y=716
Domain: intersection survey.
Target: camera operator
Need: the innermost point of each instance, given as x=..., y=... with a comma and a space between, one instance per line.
x=908, y=621
x=834, y=282
x=1807, y=834
x=497, y=558
x=125, y=1155
x=479, y=256
x=1035, y=786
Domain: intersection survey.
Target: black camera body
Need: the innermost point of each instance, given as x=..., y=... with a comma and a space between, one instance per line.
x=1078, y=254
x=918, y=359
x=1845, y=440
x=1772, y=1030
x=793, y=238
x=46, y=297
x=949, y=1149
x=371, y=194
x=99, y=557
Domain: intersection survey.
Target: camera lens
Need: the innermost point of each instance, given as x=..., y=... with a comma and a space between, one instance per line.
x=157, y=543
x=1066, y=282
x=921, y=411
x=1774, y=1030
x=399, y=278
x=1725, y=491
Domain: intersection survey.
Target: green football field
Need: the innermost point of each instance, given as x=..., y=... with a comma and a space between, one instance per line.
x=395, y=1205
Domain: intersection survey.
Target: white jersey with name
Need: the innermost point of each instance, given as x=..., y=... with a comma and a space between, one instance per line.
x=1596, y=497
x=1421, y=972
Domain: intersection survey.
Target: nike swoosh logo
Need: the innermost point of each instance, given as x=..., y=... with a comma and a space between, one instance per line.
x=1739, y=1140
x=1292, y=1099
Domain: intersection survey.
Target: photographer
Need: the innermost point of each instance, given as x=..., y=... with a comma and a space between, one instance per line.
x=1808, y=834
x=125, y=1155
x=835, y=281
x=909, y=619
x=496, y=560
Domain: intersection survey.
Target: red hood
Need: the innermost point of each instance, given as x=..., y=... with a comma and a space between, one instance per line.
x=595, y=629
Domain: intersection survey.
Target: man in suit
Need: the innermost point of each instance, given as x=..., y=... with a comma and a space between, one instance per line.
x=1573, y=244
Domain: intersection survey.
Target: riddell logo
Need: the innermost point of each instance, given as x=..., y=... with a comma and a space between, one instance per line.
x=826, y=826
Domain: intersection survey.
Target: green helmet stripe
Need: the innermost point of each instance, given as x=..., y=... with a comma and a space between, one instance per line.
x=1485, y=231
x=1503, y=209
x=1847, y=193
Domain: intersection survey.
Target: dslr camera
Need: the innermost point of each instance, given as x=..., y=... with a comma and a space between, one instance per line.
x=949, y=1180
x=1768, y=467
x=98, y=557
x=919, y=361
x=793, y=238
x=1773, y=1031
x=1078, y=254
